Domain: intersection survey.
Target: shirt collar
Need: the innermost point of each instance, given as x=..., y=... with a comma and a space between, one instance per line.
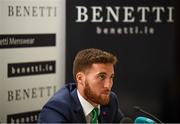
x=87, y=107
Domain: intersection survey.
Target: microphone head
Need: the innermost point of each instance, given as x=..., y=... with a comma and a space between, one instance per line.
x=141, y=120
x=126, y=120
x=137, y=108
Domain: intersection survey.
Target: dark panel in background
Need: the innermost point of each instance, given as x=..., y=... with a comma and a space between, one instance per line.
x=148, y=67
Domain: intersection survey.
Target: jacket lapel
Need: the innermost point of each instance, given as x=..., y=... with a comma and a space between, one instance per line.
x=78, y=108
x=104, y=115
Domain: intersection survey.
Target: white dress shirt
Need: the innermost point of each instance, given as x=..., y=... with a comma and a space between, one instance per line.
x=87, y=107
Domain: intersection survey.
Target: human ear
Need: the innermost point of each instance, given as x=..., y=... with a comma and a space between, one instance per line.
x=80, y=77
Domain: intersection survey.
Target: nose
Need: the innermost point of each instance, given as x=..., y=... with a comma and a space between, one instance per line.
x=108, y=84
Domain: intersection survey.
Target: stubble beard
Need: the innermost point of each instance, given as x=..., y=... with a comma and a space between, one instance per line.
x=102, y=99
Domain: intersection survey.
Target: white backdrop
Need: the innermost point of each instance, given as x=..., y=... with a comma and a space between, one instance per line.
x=32, y=56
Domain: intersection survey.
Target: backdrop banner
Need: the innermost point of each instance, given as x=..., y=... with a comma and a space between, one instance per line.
x=32, y=56
x=142, y=33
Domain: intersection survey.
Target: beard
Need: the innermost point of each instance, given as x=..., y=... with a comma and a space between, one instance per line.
x=102, y=99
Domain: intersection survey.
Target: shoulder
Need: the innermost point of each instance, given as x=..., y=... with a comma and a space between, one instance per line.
x=59, y=107
x=113, y=101
x=62, y=99
x=113, y=97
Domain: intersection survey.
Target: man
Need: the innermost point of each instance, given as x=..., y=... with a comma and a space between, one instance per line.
x=90, y=100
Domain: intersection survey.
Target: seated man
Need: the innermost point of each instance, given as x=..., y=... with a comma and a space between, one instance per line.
x=90, y=99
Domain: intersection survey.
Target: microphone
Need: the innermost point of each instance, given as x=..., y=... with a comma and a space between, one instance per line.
x=147, y=113
x=142, y=120
x=126, y=120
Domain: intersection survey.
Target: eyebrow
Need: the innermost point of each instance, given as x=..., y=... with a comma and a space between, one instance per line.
x=104, y=73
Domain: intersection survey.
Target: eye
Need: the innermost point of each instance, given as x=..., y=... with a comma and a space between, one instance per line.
x=101, y=77
x=112, y=77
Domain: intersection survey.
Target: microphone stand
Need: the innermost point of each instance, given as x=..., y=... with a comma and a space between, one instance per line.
x=147, y=113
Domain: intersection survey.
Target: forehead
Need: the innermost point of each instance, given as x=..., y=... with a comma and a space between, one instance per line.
x=99, y=68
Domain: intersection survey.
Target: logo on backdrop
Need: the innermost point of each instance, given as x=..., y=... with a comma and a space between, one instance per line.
x=127, y=19
x=30, y=93
x=31, y=68
x=26, y=117
x=27, y=40
x=31, y=11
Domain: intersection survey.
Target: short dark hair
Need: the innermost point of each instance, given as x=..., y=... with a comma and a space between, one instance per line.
x=85, y=58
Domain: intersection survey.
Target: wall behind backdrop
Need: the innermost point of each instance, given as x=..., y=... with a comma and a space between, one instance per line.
x=32, y=56
x=143, y=35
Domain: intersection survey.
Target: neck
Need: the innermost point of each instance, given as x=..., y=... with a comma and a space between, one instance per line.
x=92, y=103
x=85, y=97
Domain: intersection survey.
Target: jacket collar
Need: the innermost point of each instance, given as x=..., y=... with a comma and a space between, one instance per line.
x=77, y=107
x=104, y=115
x=79, y=110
